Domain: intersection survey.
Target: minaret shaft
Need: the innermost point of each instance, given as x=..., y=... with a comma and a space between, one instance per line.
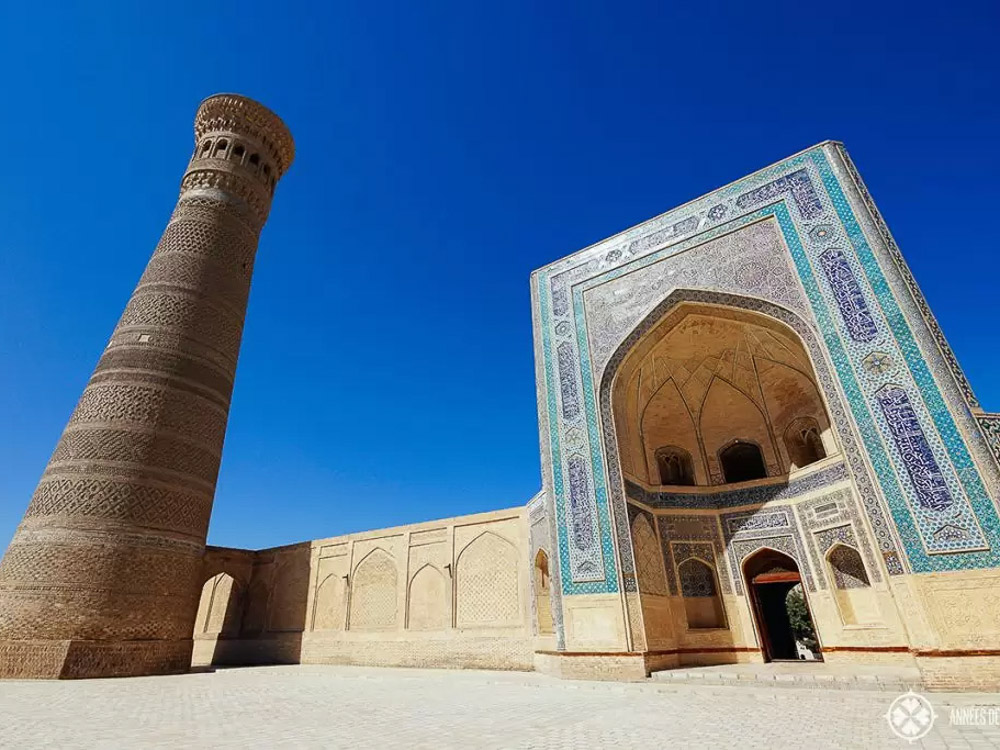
x=103, y=575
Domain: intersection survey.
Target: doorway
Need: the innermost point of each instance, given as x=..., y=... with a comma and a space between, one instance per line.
x=780, y=608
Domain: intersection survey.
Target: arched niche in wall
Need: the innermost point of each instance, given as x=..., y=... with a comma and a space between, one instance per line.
x=486, y=584
x=703, y=606
x=428, y=600
x=374, y=597
x=742, y=461
x=706, y=377
x=543, y=594
x=329, y=608
x=674, y=466
x=648, y=557
x=851, y=586
x=804, y=442
x=220, y=607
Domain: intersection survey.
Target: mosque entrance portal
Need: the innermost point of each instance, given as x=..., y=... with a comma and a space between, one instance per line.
x=780, y=608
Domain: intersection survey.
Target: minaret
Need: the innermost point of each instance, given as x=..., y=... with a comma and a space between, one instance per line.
x=102, y=577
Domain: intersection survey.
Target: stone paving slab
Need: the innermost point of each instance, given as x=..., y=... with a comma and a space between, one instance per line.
x=349, y=707
x=803, y=675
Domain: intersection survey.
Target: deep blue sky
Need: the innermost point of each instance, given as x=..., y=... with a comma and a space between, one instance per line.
x=444, y=151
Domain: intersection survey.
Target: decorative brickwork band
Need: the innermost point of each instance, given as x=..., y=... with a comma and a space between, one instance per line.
x=102, y=577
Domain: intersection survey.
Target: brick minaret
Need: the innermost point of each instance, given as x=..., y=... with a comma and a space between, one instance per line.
x=103, y=575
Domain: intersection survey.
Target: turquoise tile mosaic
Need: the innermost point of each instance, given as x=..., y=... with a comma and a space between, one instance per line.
x=838, y=300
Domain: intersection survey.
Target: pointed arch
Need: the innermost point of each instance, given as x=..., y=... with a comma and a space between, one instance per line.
x=427, y=600
x=699, y=585
x=851, y=585
x=487, y=590
x=542, y=582
x=220, y=607
x=648, y=557
x=374, y=599
x=730, y=416
x=742, y=460
x=774, y=585
x=788, y=331
x=803, y=442
x=765, y=559
x=330, y=603
x=666, y=419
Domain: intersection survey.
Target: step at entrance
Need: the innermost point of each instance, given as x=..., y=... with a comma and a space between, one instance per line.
x=797, y=675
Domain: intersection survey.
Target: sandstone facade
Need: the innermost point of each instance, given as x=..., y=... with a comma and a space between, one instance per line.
x=451, y=593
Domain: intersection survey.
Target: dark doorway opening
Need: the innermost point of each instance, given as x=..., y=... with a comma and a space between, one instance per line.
x=780, y=608
x=742, y=462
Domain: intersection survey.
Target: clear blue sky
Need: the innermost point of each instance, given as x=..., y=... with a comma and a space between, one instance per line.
x=446, y=149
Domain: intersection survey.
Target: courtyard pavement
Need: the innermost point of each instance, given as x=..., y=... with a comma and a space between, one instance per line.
x=354, y=707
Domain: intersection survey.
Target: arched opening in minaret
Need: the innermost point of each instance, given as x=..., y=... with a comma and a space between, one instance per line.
x=714, y=396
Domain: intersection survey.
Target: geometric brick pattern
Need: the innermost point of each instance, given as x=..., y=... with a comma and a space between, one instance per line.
x=107, y=560
x=848, y=568
x=488, y=589
x=648, y=563
x=373, y=592
x=697, y=579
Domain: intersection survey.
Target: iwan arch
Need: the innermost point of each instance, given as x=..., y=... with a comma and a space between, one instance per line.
x=744, y=396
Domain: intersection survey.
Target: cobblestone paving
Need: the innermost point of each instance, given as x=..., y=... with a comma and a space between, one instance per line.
x=345, y=707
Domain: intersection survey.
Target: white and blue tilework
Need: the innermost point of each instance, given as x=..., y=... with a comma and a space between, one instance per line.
x=916, y=435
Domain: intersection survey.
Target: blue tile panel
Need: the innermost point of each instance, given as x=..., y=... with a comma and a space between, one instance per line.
x=932, y=492
x=850, y=299
x=917, y=454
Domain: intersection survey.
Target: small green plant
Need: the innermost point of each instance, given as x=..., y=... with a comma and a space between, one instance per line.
x=798, y=617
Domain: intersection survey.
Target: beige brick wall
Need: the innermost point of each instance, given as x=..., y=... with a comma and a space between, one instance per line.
x=960, y=673
x=449, y=593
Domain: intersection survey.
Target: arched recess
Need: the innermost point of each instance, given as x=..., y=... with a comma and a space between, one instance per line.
x=675, y=466
x=220, y=607
x=615, y=378
x=648, y=558
x=804, y=442
x=742, y=461
x=374, y=598
x=664, y=421
x=703, y=606
x=330, y=605
x=486, y=582
x=729, y=416
x=851, y=586
x=771, y=578
x=704, y=376
x=427, y=602
x=543, y=594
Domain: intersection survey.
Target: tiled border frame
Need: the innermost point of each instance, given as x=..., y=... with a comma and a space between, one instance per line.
x=887, y=305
